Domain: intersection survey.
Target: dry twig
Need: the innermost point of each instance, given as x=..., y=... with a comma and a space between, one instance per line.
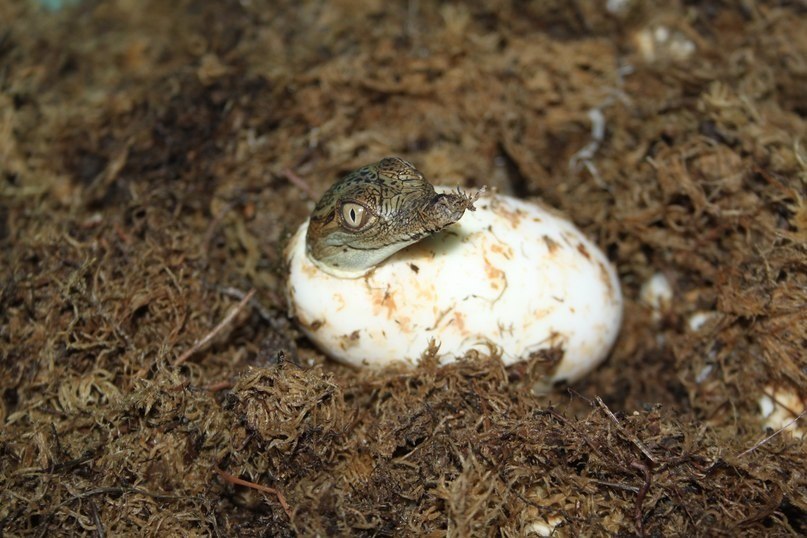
x=771, y=436
x=300, y=183
x=266, y=489
x=633, y=439
x=216, y=330
x=637, y=516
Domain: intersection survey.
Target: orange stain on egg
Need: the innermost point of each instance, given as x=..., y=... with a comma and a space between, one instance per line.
x=494, y=274
x=459, y=322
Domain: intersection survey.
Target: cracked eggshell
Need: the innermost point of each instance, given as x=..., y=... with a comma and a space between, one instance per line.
x=510, y=274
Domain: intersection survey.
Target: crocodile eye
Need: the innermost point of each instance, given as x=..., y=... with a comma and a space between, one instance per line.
x=354, y=215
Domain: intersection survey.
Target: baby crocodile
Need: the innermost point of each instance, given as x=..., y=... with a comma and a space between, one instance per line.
x=374, y=212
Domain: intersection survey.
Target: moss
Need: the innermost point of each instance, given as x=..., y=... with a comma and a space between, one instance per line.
x=154, y=159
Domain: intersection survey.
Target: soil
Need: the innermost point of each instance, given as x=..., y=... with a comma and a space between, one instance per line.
x=155, y=156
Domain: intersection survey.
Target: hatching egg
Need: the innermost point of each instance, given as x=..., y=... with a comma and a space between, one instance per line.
x=511, y=277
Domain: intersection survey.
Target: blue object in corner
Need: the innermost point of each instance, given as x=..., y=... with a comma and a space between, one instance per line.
x=55, y=5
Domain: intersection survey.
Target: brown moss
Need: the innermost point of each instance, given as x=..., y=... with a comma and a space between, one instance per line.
x=154, y=158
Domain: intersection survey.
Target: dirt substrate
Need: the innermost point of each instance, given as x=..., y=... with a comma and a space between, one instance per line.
x=154, y=157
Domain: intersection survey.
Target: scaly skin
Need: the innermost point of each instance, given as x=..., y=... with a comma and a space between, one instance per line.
x=374, y=212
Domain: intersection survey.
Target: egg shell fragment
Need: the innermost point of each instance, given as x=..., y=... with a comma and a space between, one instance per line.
x=510, y=275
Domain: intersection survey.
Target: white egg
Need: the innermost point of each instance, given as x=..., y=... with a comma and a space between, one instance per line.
x=510, y=276
x=657, y=293
x=781, y=408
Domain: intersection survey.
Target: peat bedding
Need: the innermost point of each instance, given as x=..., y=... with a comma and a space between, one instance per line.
x=154, y=157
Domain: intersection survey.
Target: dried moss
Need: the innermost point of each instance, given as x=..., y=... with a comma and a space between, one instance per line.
x=153, y=159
